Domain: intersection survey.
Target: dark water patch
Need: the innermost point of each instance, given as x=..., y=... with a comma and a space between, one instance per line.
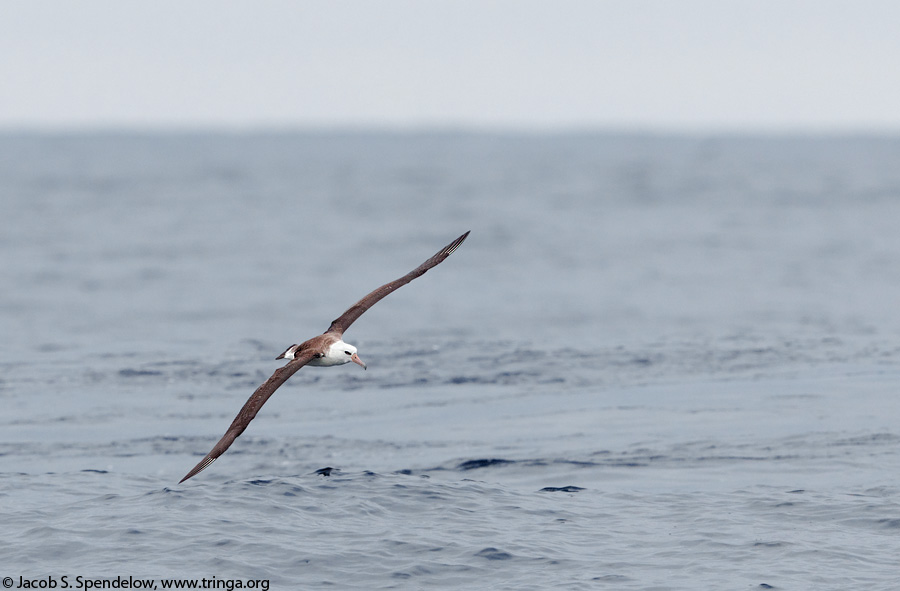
x=643, y=361
x=739, y=458
x=277, y=486
x=135, y=373
x=504, y=378
x=568, y=489
x=51, y=347
x=487, y=463
x=492, y=553
x=465, y=380
x=865, y=440
x=891, y=523
x=482, y=463
x=611, y=578
x=880, y=492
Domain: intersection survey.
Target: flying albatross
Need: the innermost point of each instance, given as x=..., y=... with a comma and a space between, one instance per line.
x=324, y=350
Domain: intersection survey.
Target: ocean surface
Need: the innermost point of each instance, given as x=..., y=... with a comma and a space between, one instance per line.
x=658, y=361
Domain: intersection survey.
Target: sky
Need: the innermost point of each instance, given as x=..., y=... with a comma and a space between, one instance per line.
x=708, y=65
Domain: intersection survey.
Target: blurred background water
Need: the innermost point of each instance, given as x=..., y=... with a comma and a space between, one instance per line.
x=658, y=362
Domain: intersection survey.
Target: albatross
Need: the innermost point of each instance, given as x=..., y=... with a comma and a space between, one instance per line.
x=325, y=350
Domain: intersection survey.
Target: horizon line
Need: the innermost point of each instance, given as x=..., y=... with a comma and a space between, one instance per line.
x=71, y=129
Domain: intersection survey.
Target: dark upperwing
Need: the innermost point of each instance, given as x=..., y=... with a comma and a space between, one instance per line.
x=249, y=410
x=344, y=321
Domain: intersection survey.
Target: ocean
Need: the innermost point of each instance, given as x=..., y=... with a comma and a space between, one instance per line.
x=658, y=362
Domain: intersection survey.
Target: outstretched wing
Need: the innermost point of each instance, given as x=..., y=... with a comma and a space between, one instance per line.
x=248, y=412
x=343, y=322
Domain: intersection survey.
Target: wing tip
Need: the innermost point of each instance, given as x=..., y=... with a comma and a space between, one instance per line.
x=455, y=244
x=200, y=467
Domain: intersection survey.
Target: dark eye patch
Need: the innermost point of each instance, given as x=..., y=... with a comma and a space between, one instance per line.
x=348, y=352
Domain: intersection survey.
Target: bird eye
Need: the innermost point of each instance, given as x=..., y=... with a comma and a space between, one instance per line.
x=348, y=352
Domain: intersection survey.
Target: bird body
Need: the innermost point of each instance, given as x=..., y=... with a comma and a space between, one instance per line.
x=325, y=350
x=329, y=350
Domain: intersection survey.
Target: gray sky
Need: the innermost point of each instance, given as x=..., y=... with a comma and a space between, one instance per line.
x=757, y=65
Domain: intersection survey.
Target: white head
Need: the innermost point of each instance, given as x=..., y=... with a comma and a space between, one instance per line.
x=340, y=353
